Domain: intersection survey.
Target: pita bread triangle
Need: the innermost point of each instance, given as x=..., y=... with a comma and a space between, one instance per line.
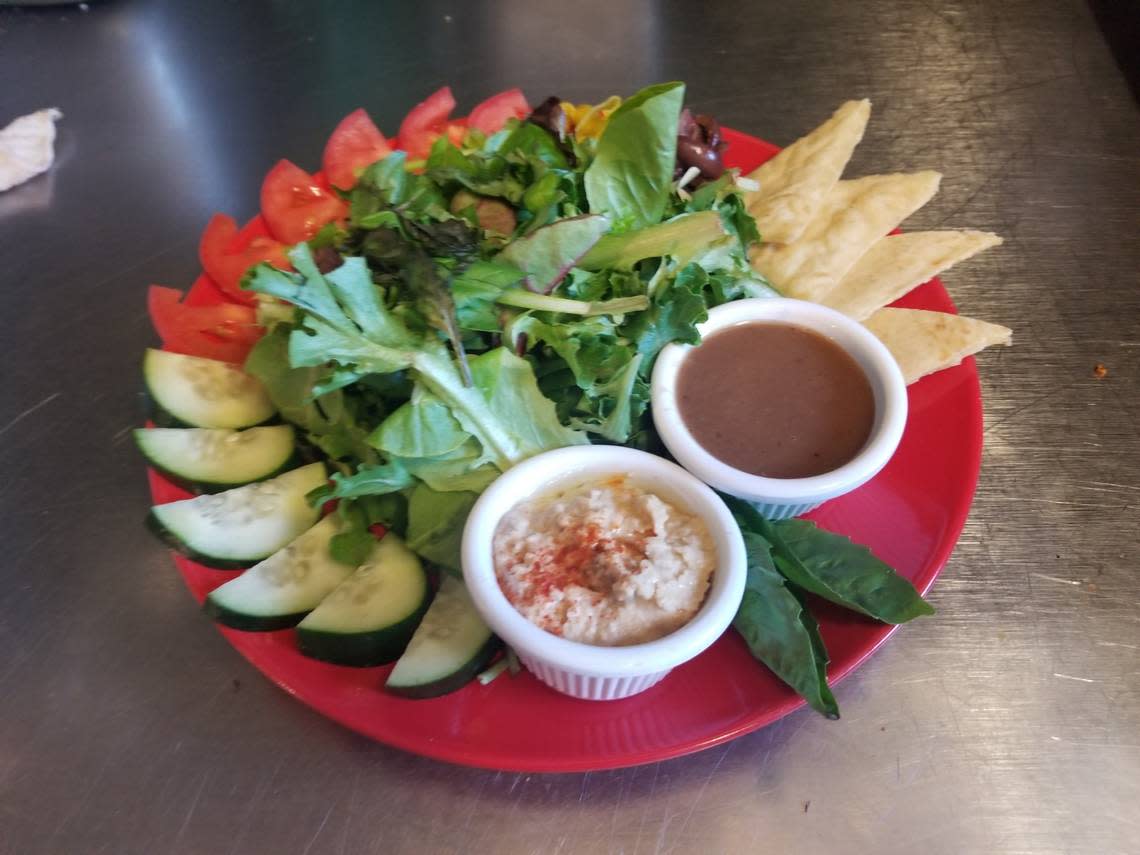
x=853, y=217
x=897, y=264
x=794, y=183
x=923, y=342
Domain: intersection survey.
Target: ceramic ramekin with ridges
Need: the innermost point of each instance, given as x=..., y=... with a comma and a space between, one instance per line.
x=782, y=498
x=585, y=670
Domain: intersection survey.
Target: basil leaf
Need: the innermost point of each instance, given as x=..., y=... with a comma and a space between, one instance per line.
x=831, y=566
x=779, y=630
x=631, y=176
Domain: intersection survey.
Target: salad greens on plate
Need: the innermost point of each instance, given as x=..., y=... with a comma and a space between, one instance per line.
x=508, y=294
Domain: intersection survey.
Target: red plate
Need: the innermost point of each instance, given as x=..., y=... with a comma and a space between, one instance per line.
x=910, y=515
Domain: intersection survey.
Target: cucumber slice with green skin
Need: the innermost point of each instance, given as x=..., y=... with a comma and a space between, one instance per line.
x=282, y=589
x=244, y=525
x=209, y=460
x=371, y=616
x=196, y=392
x=451, y=646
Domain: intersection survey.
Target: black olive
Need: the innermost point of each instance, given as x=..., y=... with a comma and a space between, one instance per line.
x=687, y=128
x=703, y=156
x=710, y=131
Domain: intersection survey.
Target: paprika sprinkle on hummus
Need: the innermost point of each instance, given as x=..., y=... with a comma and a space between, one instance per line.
x=606, y=563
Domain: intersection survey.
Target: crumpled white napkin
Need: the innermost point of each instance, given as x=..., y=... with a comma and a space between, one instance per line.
x=27, y=147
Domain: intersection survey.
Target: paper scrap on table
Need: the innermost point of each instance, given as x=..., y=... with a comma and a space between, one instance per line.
x=27, y=147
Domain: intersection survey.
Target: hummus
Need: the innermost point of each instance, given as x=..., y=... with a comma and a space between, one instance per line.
x=606, y=563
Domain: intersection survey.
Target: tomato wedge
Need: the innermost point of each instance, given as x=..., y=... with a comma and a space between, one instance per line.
x=355, y=144
x=226, y=253
x=295, y=205
x=223, y=331
x=426, y=122
x=490, y=116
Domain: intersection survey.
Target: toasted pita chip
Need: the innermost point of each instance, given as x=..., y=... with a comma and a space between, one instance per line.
x=853, y=217
x=794, y=183
x=923, y=342
x=898, y=263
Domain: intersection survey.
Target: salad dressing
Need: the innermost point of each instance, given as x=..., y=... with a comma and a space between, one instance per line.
x=776, y=400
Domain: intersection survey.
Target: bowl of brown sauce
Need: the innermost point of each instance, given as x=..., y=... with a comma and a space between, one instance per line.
x=784, y=403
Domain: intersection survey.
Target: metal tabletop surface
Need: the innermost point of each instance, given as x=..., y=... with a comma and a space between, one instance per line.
x=1008, y=723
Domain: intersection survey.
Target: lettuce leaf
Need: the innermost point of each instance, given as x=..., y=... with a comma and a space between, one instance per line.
x=677, y=307
x=423, y=427
x=346, y=321
x=631, y=176
x=548, y=253
x=475, y=290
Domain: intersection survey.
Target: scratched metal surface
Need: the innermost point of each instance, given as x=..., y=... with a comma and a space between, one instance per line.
x=1008, y=724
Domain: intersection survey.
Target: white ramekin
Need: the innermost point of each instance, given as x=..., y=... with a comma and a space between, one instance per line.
x=585, y=670
x=781, y=498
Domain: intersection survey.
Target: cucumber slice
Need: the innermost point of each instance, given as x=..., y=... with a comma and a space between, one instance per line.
x=213, y=459
x=196, y=392
x=451, y=646
x=241, y=526
x=370, y=617
x=283, y=588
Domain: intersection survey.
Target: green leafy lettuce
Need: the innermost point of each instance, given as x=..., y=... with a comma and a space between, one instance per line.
x=631, y=176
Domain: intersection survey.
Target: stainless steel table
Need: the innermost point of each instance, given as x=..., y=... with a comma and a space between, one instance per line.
x=1007, y=724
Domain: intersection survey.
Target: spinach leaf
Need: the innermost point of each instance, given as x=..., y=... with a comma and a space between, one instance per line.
x=631, y=176
x=529, y=143
x=682, y=238
x=435, y=524
x=780, y=632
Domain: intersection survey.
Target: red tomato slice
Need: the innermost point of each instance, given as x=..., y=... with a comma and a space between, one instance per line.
x=226, y=254
x=492, y=114
x=223, y=331
x=295, y=205
x=425, y=122
x=355, y=144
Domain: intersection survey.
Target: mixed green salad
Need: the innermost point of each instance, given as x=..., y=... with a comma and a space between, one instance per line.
x=508, y=294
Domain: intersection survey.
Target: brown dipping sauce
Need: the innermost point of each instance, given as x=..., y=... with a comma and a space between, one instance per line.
x=776, y=400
